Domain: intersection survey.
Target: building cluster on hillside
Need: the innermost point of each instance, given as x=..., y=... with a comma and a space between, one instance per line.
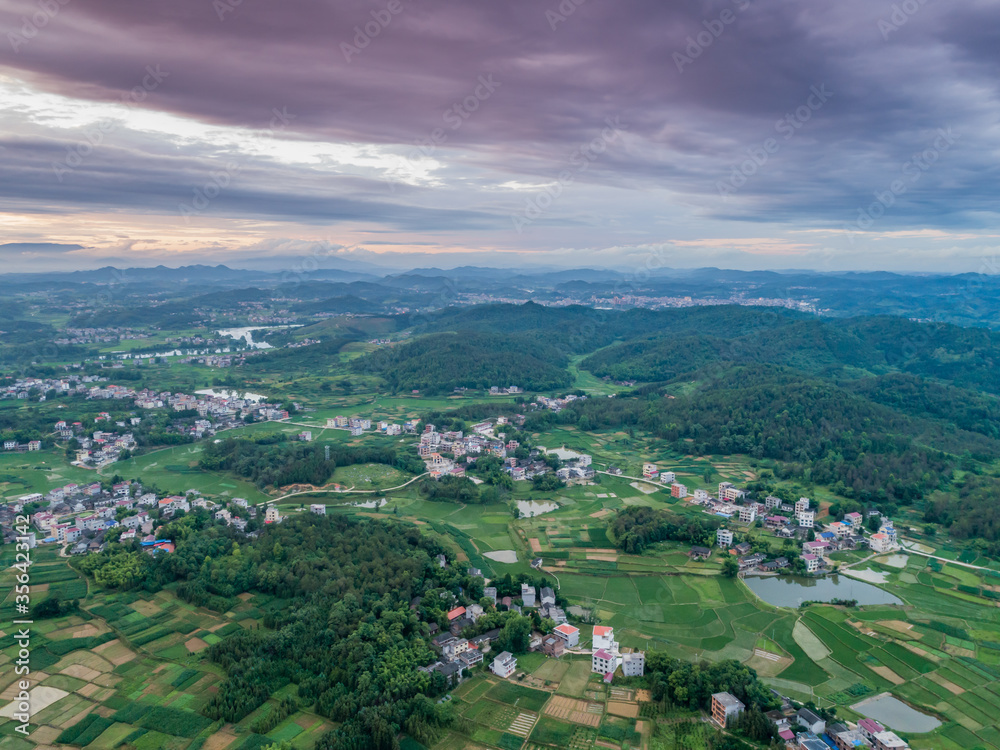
x=22, y=388
x=557, y=404
x=804, y=729
x=103, y=448
x=457, y=653
x=81, y=514
x=99, y=335
x=787, y=521
x=450, y=453
x=360, y=425
x=217, y=412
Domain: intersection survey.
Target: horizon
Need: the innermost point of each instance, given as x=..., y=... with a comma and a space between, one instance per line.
x=730, y=133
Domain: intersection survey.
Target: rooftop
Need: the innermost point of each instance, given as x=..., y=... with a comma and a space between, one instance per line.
x=728, y=700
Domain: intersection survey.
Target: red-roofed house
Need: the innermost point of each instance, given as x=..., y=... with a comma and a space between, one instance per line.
x=604, y=637
x=569, y=634
x=456, y=613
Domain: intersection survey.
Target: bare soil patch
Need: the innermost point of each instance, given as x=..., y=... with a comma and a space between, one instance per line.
x=951, y=687
x=888, y=674
x=572, y=710
x=628, y=710
x=194, y=645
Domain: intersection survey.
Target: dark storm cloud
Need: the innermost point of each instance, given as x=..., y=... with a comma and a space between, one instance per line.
x=701, y=86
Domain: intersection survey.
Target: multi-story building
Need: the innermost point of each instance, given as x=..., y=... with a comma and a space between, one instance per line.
x=527, y=595
x=604, y=638
x=568, y=633
x=504, y=665
x=603, y=661
x=634, y=664
x=725, y=707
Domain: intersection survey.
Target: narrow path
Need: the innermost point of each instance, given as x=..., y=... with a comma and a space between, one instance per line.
x=911, y=551
x=346, y=492
x=635, y=479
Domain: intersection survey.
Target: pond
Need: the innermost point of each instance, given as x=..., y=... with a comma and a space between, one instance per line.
x=790, y=591
x=563, y=453
x=532, y=508
x=247, y=335
x=254, y=397
x=502, y=555
x=370, y=503
x=896, y=715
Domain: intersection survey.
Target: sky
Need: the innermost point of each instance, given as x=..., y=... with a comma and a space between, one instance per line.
x=770, y=134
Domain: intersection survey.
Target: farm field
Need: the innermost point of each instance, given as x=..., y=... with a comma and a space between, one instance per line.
x=129, y=669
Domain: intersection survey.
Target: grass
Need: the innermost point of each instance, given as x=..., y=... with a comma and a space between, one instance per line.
x=519, y=696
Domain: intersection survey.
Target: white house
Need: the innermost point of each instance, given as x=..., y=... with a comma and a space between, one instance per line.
x=569, y=634
x=604, y=661
x=634, y=665
x=604, y=638
x=880, y=543
x=805, y=518
x=318, y=509
x=724, y=537
x=812, y=563
x=528, y=595
x=504, y=665
x=748, y=514
x=802, y=504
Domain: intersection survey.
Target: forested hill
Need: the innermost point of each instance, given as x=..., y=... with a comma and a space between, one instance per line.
x=827, y=433
x=341, y=627
x=962, y=356
x=440, y=363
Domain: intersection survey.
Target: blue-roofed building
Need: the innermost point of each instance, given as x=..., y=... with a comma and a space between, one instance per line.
x=810, y=741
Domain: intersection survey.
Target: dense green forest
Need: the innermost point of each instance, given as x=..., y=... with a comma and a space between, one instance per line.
x=819, y=431
x=442, y=362
x=341, y=627
x=962, y=356
x=636, y=527
x=274, y=461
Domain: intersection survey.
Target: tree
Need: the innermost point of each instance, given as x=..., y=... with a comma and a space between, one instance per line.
x=515, y=635
x=730, y=567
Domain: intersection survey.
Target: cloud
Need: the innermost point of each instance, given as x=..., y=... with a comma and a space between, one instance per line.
x=393, y=137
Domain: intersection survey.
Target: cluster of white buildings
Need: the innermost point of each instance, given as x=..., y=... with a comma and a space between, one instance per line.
x=21, y=388
x=557, y=404
x=104, y=448
x=360, y=425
